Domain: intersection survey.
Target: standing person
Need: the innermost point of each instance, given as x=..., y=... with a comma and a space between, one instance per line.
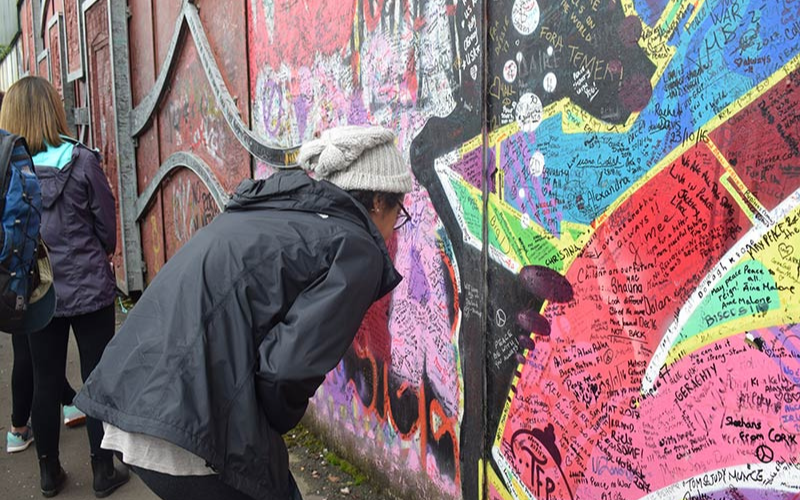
x=79, y=228
x=226, y=346
x=20, y=437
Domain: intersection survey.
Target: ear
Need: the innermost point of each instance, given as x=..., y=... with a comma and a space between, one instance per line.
x=378, y=204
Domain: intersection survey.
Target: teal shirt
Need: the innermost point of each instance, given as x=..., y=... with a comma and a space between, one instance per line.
x=57, y=157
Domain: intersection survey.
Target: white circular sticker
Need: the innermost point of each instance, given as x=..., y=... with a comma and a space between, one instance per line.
x=537, y=164
x=525, y=15
x=522, y=194
x=529, y=112
x=550, y=51
x=525, y=221
x=519, y=57
x=510, y=71
x=473, y=72
x=550, y=81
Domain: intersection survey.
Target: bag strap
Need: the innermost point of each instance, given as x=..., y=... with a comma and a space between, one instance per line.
x=7, y=143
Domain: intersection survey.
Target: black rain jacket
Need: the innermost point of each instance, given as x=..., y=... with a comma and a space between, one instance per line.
x=237, y=331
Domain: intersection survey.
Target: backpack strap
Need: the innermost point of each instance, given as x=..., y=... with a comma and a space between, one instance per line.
x=7, y=143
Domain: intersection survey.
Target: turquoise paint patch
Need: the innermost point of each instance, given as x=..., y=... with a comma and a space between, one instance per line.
x=746, y=290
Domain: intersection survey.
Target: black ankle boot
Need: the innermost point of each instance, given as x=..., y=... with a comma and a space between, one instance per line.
x=52, y=476
x=107, y=478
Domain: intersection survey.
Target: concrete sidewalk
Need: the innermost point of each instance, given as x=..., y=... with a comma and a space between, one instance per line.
x=19, y=472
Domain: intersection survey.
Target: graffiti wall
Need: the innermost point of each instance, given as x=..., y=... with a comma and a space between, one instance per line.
x=399, y=396
x=647, y=150
x=602, y=273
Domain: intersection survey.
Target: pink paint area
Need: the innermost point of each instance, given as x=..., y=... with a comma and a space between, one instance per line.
x=424, y=341
x=400, y=385
x=634, y=275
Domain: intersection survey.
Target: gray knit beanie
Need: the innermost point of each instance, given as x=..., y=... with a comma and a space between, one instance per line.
x=357, y=157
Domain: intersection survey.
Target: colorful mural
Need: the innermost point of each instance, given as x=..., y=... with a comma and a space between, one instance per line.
x=649, y=151
x=602, y=272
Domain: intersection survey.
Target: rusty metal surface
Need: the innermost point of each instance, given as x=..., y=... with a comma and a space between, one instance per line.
x=140, y=37
x=257, y=146
x=26, y=25
x=72, y=29
x=188, y=207
x=126, y=160
x=225, y=25
x=145, y=108
x=54, y=46
x=194, y=164
x=152, y=231
x=191, y=120
x=43, y=64
x=102, y=105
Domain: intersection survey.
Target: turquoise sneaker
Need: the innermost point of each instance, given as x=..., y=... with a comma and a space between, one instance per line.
x=16, y=442
x=73, y=417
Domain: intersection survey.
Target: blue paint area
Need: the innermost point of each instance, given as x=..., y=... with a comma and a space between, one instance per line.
x=650, y=10
x=707, y=73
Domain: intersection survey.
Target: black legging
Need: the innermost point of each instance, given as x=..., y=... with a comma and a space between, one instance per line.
x=169, y=487
x=92, y=332
x=22, y=383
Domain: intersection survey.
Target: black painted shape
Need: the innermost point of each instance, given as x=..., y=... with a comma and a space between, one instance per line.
x=617, y=72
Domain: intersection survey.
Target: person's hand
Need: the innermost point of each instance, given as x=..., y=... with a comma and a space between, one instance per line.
x=544, y=284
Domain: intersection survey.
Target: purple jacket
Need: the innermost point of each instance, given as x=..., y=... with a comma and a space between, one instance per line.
x=79, y=226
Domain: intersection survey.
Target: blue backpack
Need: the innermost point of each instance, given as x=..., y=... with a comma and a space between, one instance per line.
x=20, y=220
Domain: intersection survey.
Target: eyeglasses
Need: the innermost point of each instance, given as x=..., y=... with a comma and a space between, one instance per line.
x=403, y=218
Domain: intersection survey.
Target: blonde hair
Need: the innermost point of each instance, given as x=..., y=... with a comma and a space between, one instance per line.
x=33, y=109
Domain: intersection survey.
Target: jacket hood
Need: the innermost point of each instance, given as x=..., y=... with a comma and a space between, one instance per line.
x=295, y=190
x=54, y=177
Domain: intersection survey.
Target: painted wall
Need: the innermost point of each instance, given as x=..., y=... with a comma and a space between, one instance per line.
x=398, y=399
x=646, y=150
x=649, y=151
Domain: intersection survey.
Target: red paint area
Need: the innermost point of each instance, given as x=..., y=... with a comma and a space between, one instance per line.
x=55, y=58
x=101, y=82
x=767, y=161
x=300, y=31
x=637, y=271
x=72, y=29
x=373, y=336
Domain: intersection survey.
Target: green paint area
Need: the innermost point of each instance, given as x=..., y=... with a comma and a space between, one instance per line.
x=748, y=289
x=471, y=207
x=671, y=17
x=506, y=234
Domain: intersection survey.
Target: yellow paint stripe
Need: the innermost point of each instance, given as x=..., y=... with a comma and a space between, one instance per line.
x=725, y=180
x=737, y=188
x=729, y=329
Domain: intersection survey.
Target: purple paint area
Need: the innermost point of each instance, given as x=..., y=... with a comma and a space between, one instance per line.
x=270, y=101
x=650, y=10
x=470, y=167
x=358, y=113
x=515, y=159
x=301, y=114
x=546, y=283
x=418, y=286
x=492, y=169
x=635, y=92
x=523, y=190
